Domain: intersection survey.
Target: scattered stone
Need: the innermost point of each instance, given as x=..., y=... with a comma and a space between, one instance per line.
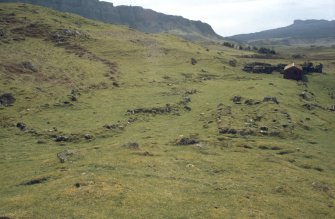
x=193, y=61
x=131, y=145
x=187, y=108
x=74, y=98
x=185, y=101
x=270, y=99
x=305, y=95
x=258, y=118
x=332, y=108
x=41, y=142
x=264, y=130
x=88, y=137
x=29, y=66
x=21, y=126
x=115, y=84
x=18, y=38
x=232, y=63
x=285, y=152
x=61, y=138
x=71, y=32
x=187, y=141
x=63, y=156
x=308, y=106
x=247, y=146
x=227, y=131
x=5, y=217
x=323, y=187
x=35, y=181
x=250, y=102
x=276, y=148
x=318, y=169
x=131, y=120
x=275, y=133
x=246, y=132
x=263, y=147
x=280, y=189
x=200, y=146
x=2, y=34
x=155, y=110
x=237, y=99
x=190, y=92
x=146, y=153
x=112, y=126
x=7, y=99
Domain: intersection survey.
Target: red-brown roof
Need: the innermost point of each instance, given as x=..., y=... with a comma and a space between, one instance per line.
x=293, y=65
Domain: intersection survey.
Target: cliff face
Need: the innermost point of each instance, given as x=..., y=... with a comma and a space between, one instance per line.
x=145, y=20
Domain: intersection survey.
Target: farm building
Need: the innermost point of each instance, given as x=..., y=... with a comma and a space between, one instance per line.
x=293, y=71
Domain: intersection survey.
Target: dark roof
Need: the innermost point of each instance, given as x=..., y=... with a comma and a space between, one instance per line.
x=293, y=65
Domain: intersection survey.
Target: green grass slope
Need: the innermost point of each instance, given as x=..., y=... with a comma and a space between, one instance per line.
x=142, y=139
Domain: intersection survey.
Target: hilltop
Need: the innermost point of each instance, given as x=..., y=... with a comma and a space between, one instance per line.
x=318, y=32
x=145, y=20
x=104, y=121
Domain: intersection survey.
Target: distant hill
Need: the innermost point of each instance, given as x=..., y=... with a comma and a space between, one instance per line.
x=300, y=32
x=145, y=20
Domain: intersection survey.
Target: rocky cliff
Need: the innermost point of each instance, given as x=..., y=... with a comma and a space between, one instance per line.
x=145, y=20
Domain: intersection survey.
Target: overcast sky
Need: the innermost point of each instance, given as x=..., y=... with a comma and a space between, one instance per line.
x=230, y=17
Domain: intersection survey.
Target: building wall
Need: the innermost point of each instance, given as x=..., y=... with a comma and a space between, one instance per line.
x=293, y=73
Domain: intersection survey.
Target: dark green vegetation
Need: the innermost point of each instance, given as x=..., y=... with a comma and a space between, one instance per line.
x=145, y=20
x=301, y=32
x=102, y=121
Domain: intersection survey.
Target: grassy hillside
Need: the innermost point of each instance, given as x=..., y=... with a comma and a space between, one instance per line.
x=109, y=122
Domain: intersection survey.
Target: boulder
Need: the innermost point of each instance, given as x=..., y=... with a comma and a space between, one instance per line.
x=132, y=145
x=2, y=34
x=237, y=99
x=187, y=108
x=305, y=95
x=250, y=102
x=193, y=61
x=64, y=156
x=21, y=126
x=111, y=126
x=88, y=137
x=228, y=131
x=35, y=181
x=232, y=63
x=264, y=130
x=309, y=106
x=73, y=98
x=270, y=99
x=7, y=99
x=187, y=141
x=245, y=132
x=61, y=138
x=29, y=66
